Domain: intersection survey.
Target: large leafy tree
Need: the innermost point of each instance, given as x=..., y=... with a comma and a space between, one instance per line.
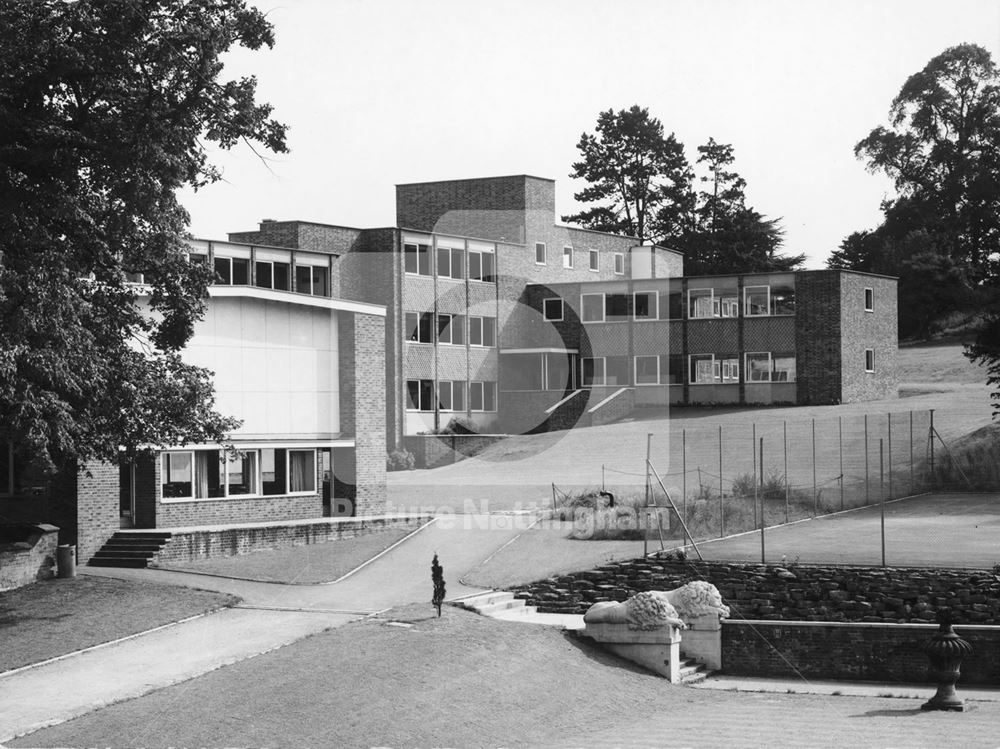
x=634, y=173
x=105, y=110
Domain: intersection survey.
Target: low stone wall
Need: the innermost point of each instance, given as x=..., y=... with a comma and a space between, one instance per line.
x=189, y=544
x=27, y=554
x=850, y=650
x=798, y=593
x=433, y=450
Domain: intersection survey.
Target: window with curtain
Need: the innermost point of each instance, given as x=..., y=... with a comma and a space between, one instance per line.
x=302, y=470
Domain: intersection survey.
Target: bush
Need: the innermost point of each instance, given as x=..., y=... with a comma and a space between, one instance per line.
x=400, y=460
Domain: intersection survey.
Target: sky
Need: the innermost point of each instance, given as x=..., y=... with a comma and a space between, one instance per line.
x=380, y=93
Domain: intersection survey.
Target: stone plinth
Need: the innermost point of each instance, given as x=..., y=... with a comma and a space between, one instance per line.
x=655, y=649
x=703, y=641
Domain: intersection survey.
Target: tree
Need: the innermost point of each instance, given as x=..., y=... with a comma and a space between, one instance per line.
x=943, y=152
x=105, y=108
x=723, y=234
x=634, y=173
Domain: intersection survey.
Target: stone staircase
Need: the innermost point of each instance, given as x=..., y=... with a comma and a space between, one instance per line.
x=130, y=549
x=499, y=604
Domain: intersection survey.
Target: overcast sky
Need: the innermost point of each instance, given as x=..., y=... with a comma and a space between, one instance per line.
x=380, y=93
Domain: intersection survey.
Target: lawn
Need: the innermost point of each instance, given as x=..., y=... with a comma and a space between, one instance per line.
x=59, y=616
x=410, y=679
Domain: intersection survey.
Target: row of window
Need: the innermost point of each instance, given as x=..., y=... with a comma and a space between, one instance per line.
x=476, y=265
x=450, y=395
x=699, y=369
x=211, y=474
x=235, y=271
x=451, y=329
x=593, y=258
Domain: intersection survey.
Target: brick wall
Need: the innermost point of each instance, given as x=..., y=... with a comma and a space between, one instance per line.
x=855, y=651
x=97, y=489
x=431, y=451
x=489, y=208
x=860, y=330
x=817, y=337
x=369, y=414
x=234, y=510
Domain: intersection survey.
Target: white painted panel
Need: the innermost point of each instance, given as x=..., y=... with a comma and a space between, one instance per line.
x=254, y=362
x=450, y=242
x=416, y=239
x=274, y=256
x=418, y=421
x=305, y=258
x=252, y=330
x=225, y=249
x=277, y=326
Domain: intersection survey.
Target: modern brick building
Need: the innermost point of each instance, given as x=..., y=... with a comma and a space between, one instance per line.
x=500, y=315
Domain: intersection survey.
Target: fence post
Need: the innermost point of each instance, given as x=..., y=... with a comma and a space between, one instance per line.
x=930, y=439
x=603, y=487
x=867, y=494
x=815, y=493
x=722, y=504
x=753, y=439
x=881, y=497
x=763, y=520
x=840, y=443
x=912, y=489
x=890, y=455
x=784, y=448
x=649, y=496
x=684, y=472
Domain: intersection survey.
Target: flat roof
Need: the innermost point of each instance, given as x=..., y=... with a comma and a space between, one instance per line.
x=473, y=179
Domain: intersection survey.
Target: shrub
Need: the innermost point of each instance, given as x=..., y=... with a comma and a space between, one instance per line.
x=400, y=459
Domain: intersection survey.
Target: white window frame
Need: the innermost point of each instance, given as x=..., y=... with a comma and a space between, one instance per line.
x=288, y=472
x=416, y=408
x=272, y=263
x=451, y=395
x=604, y=371
x=635, y=370
x=712, y=368
x=540, y=251
x=594, y=261
x=655, y=311
x=165, y=474
x=869, y=355
x=729, y=305
x=545, y=309
x=746, y=302
x=483, y=386
x=869, y=295
x=567, y=256
x=583, y=308
x=431, y=329
x=416, y=254
x=480, y=254
x=749, y=370
x=619, y=263
x=327, y=283
x=711, y=303
x=730, y=370
x=482, y=324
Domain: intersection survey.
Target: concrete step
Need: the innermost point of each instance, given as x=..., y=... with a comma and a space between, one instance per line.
x=111, y=561
x=491, y=609
x=519, y=612
x=485, y=599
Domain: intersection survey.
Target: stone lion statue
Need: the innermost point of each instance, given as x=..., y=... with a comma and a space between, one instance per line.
x=654, y=609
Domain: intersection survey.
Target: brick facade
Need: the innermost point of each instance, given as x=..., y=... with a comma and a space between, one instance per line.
x=97, y=487
x=368, y=332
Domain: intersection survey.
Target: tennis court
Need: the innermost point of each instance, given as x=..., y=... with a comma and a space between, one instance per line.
x=932, y=530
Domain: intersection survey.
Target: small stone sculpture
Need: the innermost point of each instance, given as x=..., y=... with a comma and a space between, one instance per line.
x=654, y=609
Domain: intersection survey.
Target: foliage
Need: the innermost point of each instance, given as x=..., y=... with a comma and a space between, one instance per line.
x=642, y=185
x=400, y=459
x=104, y=112
x=634, y=173
x=941, y=232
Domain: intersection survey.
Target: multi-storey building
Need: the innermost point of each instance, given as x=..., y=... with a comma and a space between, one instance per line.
x=500, y=315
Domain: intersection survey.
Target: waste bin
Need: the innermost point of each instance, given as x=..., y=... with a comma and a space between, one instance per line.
x=66, y=560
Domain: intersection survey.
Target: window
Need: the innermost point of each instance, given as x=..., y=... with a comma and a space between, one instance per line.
x=482, y=396
x=701, y=303
x=615, y=307
x=311, y=279
x=482, y=331
x=451, y=329
x=178, y=475
x=672, y=305
x=869, y=299
x=285, y=471
x=591, y=371
x=273, y=471
x=450, y=263
x=567, y=257
x=620, y=263
x=783, y=369
x=419, y=326
x=730, y=370
x=458, y=395
x=539, y=253
x=616, y=371
x=758, y=366
x=481, y=267
x=552, y=309
x=451, y=395
x=756, y=301
x=869, y=360
x=703, y=369
x=444, y=396
x=270, y=275
x=783, y=299
x=592, y=307
x=595, y=260
x=232, y=271
x=647, y=370
x=675, y=369
x=645, y=305
x=420, y=395
x=417, y=259
x=301, y=471
x=729, y=306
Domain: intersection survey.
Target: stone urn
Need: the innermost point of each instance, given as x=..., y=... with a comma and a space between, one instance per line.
x=946, y=651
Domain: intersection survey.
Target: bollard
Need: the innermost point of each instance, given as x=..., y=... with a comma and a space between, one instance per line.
x=66, y=560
